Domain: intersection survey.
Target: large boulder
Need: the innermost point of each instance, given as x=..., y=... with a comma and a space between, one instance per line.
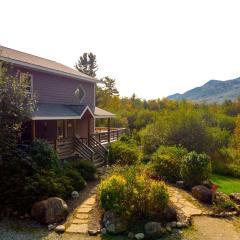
x=51, y=210
x=202, y=193
x=154, y=229
x=113, y=223
x=169, y=213
x=235, y=197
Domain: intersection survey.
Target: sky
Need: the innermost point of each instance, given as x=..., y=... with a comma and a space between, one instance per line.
x=153, y=48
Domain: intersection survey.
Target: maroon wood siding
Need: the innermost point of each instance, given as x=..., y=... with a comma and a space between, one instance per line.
x=52, y=88
x=46, y=130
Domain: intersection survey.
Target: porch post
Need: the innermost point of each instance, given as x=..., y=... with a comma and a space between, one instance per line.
x=74, y=127
x=109, y=123
x=88, y=130
x=33, y=130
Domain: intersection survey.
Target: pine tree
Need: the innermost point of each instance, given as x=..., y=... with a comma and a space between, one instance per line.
x=87, y=64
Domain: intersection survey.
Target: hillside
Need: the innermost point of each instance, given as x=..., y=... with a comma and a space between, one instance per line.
x=212, y=91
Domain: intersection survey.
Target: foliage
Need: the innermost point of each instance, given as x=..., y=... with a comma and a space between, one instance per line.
x=87, y=64
x=123, y=153
x=166, y=163
x=85, y=168
x=77, y=181
x=195, y=169
x=43, y=155
x=130, y=193
x=112, y=193
x=15, y=106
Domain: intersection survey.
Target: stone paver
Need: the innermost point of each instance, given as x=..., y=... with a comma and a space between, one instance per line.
x=80, y=220
x=184, y=203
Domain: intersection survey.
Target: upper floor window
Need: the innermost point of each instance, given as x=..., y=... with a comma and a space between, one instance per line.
x=80, y=93
x=28, y=80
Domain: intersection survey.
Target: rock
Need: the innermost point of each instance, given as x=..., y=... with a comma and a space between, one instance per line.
x=113, y=223
x=51, y=227
x=130, y=235
x=168, y=228
x=103, y=231
x=169, y=213
x=220, y=198
x=60, y=229
x=75, y=195
x=173, y=224
x=181, y=225
x=154, y=229
x=93, y=232
x=202, y=193
x=49, y=211
x=208, y=184
x=235, y=197
x=180, y=184
x=139, y=236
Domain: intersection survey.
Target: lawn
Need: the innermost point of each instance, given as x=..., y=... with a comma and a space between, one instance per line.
x=226, y=184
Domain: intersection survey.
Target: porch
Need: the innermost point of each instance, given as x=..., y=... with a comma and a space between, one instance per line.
x=71, y=130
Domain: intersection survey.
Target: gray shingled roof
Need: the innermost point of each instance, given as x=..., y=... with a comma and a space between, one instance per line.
x=50, y=111
x=100, y=113
x=21, y=58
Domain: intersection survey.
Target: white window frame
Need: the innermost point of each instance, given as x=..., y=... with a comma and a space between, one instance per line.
x=84, y=93
x=31, y=82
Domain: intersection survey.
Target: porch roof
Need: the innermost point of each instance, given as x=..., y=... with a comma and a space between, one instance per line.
x=100, y=113
x=49, y=111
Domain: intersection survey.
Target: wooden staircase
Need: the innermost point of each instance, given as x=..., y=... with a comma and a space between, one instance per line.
x=91, y=150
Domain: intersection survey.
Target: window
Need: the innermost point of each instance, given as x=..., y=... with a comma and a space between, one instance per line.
x=28, y=80
x=80, y=93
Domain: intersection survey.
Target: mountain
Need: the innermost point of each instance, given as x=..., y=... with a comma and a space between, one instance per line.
x=212, y=91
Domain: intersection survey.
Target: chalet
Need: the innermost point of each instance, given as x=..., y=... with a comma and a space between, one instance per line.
x=66, y=113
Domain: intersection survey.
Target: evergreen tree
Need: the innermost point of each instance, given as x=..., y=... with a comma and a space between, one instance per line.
x=87, y=64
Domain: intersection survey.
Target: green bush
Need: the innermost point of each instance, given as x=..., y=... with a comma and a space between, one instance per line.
x=166, y=163
x=130, y=193
x=85, y=168
x=43, y=155
x=195, y=169
x=231, y=170
x=48, y=184
x=123, y=153
x=112, y=194
x=77, y=181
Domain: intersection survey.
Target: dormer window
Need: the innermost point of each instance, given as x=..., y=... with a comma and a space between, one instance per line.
x=80, y=93
x=28, y=80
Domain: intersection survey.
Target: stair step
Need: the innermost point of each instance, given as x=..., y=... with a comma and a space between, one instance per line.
x=100, y=164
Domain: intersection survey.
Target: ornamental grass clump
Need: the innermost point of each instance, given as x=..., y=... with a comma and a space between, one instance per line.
x=131, y=194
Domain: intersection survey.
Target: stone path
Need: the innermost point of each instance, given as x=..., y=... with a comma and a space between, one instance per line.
x=81, y=216
x=186, y=205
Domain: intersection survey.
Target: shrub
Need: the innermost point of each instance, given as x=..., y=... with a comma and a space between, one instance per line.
x=112, y=192
x=195, y=168
x=43, y=155
x=77, y=181
x=130, y=193
x=166, y=163
x=47, y=184
x=85, y=168
x=123, y=153
x=231, y=170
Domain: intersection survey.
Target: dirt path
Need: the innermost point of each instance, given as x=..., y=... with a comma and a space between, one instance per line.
x=213, y=229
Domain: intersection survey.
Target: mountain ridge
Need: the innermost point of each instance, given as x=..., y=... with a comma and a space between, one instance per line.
x=212, y=91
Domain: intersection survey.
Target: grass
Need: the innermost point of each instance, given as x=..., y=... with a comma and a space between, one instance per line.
x=226, y=184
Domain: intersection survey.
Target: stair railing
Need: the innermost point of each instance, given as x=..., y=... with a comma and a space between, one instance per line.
x=83, y=149
x=97, y=147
